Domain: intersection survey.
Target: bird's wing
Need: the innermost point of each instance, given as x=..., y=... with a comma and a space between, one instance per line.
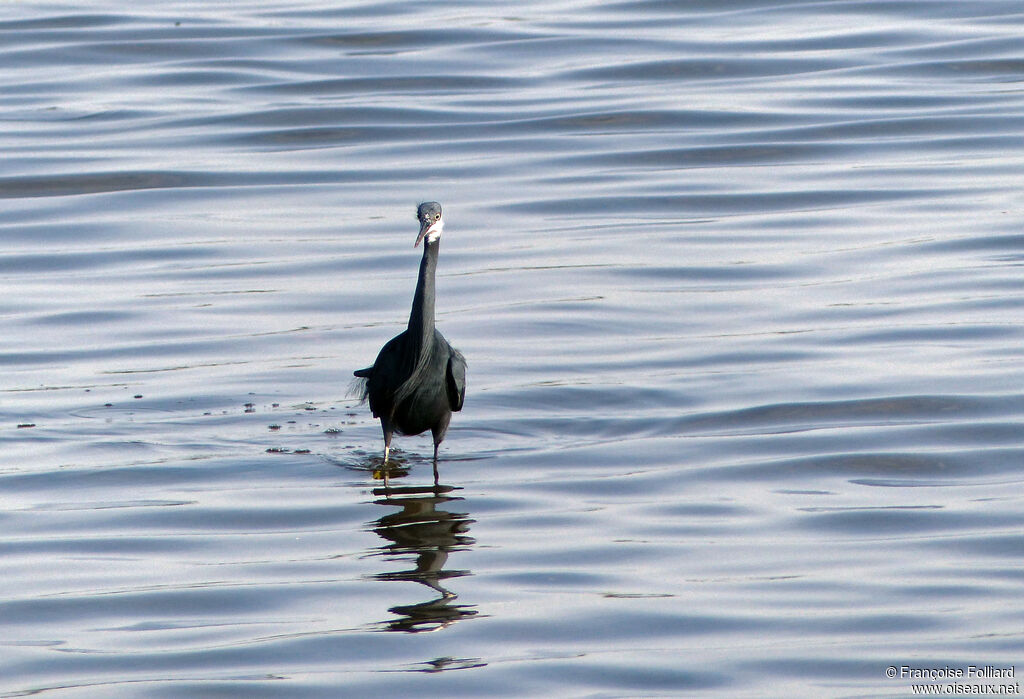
x=455, y=380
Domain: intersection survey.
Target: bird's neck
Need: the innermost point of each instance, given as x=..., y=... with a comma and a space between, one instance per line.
x=421, y=320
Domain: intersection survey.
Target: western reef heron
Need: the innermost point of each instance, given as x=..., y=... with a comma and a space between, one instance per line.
x=418, y=379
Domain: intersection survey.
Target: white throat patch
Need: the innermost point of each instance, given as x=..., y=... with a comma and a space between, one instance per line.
x=434, y=232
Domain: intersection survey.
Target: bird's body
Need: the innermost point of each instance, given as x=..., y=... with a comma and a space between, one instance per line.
x=418, y=379
x=429, y=403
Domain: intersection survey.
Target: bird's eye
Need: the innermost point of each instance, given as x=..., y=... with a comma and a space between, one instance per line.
x=437, y=217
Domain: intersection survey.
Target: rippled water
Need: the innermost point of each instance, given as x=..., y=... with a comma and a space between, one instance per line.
x=740, y=289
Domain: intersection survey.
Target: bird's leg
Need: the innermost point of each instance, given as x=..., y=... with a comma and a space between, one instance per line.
x=387, y=450
x=436, y=445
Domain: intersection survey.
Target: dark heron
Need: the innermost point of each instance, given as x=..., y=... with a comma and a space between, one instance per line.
x=418, y=379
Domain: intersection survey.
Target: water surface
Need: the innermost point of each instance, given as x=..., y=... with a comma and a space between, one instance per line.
x=739, y=285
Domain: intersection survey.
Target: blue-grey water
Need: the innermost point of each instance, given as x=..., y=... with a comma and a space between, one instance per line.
x=741, y=289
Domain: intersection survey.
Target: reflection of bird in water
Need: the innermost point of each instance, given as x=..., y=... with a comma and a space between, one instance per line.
x=430, y=534
x=418, y=379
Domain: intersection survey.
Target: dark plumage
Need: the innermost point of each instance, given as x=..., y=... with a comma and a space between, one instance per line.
x=418, y=379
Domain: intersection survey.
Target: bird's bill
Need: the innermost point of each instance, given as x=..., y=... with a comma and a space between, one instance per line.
x=428, y=227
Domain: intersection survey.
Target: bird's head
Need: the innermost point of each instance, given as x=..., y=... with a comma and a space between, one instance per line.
x=431, y=223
